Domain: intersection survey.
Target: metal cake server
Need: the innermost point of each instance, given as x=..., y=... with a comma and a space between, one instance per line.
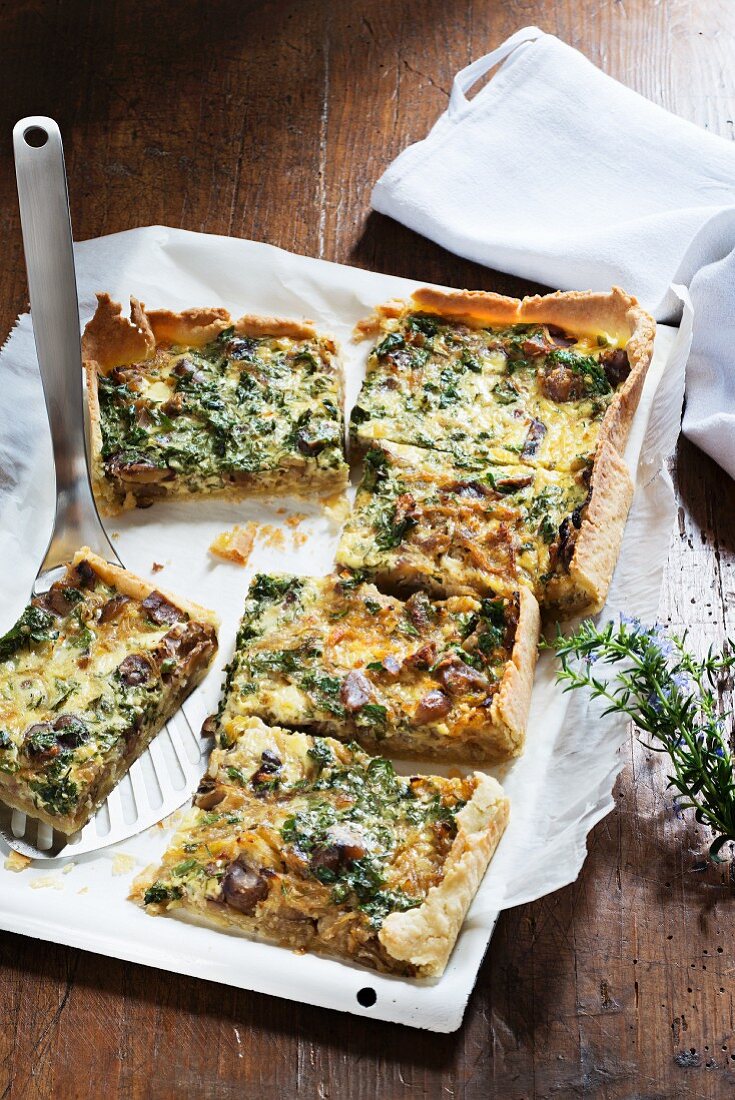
x=163, y=778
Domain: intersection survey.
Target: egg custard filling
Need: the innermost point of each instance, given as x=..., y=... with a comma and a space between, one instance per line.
x=88, y=675
x=526, y=393
x=449, y=680
x=422, y=521
x=314, y=845
x=223, y=408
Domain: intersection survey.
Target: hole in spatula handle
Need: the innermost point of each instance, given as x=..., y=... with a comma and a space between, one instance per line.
x=35, y=136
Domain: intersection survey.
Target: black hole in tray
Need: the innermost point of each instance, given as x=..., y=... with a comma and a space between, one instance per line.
x=367, y=997
x=35, y=137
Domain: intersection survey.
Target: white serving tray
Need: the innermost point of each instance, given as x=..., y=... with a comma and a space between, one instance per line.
x=558, y=789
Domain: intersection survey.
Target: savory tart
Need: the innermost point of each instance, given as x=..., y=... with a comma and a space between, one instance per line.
x=88, y=676
x=312, y=844
x=548, y=382
x=422, y=521
x=194, y=403
x=447, y=680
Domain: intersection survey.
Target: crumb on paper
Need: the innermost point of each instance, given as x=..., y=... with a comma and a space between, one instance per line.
x=272, y=536
x=296, y=519
x=336, y=508
x=46, y=882
x=68, y=868
x=123, y=863
x=84, y=890
x=115, y=535
x=235, y=545
x=299, y=538
x=17, y=862
x=156, y=567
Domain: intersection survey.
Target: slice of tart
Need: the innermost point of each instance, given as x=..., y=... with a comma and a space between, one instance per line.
x=448, y=680
x=198, y=404
x=88, y=676
x=539, y=381
x=422, y=521
x=314, y=845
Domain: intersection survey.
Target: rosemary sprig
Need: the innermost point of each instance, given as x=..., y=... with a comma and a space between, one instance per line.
x=672, y=697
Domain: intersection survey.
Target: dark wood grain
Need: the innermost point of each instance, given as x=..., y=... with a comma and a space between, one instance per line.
x=272, y=120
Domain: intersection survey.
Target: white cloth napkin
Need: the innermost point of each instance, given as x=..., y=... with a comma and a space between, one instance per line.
x=558, y=173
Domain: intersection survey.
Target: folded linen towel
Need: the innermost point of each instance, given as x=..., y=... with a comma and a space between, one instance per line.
x=558, y=173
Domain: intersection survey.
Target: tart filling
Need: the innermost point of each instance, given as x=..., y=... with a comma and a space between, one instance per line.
x=88, y=675
x=422, y=521
x=315, y=845
x=450, y=680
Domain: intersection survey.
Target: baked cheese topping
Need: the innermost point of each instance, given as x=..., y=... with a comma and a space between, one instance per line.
x=309, y=841
x=422, y=520
x=238, y=411
x=334, y=655
x=533, y=393
x=87, y=675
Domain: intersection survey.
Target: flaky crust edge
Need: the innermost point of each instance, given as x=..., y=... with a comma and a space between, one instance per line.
x=425, y=936
x=110, y=340
x=584, y=589
x=509, y=712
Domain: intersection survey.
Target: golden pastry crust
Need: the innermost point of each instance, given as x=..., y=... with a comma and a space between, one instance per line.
x=589, y=548
x=437, y=838
x=111, y=340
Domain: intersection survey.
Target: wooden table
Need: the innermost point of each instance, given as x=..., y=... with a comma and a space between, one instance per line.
x=271, y=120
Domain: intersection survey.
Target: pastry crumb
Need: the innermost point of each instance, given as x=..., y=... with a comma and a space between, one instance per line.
x=46, y=882
x=296, y=519
x=122, y=863
x=299, y=538
x=84, y=890
x=235, y=545
x=272, y=536
x=68, y=868
x=17, y=862
x=156, y=567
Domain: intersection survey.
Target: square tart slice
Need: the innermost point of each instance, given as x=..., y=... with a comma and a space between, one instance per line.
x=314, y=845
x=196, y=404
x=447, y=680
x=88, y=676
x=542, y=380
x=422, y=521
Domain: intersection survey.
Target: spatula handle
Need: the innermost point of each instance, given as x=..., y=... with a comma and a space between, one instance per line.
x=47, y=242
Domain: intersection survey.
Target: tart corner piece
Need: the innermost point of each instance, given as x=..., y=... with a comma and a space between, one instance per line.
x=314, y=845
x=197, y=404
x=88, y=676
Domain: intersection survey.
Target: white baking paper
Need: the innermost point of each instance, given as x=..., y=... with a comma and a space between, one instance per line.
x=558, y=789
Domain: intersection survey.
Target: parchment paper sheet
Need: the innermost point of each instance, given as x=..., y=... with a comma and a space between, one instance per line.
x=558, y=789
